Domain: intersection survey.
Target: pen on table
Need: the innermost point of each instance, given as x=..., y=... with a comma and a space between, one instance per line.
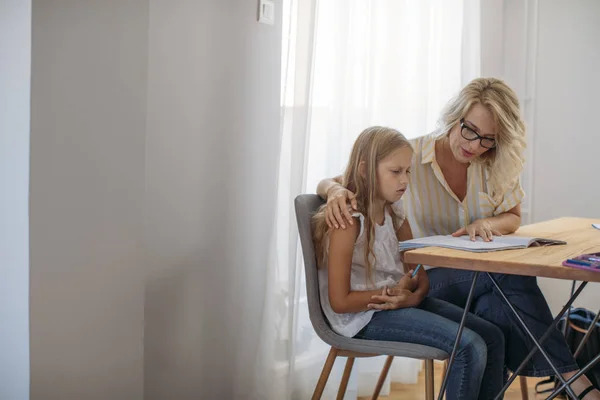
x=416, y=270
x=579, y=262
x=590, y=258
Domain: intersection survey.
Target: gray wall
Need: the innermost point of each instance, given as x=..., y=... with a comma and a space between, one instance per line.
x=15, y=68
x=88, y=117
x=154, y=145
x=211, y=162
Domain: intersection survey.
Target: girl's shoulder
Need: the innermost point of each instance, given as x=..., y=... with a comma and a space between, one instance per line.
x=344, y=241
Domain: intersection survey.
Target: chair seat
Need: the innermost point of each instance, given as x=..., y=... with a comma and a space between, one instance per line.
x=380, y=347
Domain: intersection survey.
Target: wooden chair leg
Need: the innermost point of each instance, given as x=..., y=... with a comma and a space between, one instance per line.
x=523, y=383
x=382, y=376
x=444, y=368
x=325, y=374
x=345, y=377
x=429, y=380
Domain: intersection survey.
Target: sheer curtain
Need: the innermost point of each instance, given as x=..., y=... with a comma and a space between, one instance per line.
x=347, y=65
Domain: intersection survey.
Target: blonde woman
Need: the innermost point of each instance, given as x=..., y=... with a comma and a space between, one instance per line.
x=465, y=180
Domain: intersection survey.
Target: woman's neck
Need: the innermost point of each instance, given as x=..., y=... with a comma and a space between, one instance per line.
x=444, y=156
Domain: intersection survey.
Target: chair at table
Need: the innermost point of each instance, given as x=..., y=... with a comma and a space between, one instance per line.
x=306, y=205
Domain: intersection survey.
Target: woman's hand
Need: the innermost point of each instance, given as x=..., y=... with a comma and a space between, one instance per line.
x=401, y=299
x=482, y=228
x=340, y=202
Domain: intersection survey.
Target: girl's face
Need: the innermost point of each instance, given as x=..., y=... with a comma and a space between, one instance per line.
x=479, y=120
x=393, y=174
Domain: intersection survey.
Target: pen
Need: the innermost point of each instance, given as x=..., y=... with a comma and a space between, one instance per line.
x=416, y=270
x=579, y=262
x=590, y=258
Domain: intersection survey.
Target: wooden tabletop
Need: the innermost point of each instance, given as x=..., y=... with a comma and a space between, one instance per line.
x=579, y=234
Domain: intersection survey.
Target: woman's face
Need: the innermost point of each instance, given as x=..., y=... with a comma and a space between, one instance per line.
x=481, y=121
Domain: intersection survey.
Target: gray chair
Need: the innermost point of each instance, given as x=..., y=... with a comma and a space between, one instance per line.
x=306, y=205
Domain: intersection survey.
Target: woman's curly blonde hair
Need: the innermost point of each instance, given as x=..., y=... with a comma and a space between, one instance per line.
x=504, y=163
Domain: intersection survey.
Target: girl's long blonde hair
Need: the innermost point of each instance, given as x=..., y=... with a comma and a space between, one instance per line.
x=503, y=163
x=372, y=145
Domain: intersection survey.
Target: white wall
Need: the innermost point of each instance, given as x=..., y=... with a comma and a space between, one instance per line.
x=88, y=117
x=566, y=104
x=211, y=162
x=15, y=68
x=568, y=84
x=551, y=58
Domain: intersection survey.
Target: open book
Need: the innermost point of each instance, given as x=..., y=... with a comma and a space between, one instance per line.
x=465, y=243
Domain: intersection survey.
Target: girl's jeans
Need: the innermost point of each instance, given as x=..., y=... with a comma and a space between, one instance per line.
x=477, y=372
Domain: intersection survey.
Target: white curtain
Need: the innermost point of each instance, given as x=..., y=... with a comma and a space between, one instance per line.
x=347, y=65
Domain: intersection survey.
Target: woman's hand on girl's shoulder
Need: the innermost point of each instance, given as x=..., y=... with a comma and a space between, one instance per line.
x=340, y=204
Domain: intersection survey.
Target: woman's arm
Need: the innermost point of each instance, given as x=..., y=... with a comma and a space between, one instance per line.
x=326, y=184
x=507, y=222
x=501, y=224
x=339, y=202
x=341, y=297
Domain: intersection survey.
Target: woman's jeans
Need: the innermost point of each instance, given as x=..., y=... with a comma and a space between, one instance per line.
x=477, y=372
x=453, y=286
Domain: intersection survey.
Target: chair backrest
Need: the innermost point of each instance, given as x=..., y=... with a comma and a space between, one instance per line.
x=306, y=205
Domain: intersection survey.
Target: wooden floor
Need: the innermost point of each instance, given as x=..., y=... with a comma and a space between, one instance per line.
x=417, y=391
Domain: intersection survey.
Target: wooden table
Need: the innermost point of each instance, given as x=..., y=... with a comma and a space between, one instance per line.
x=581, y=238
x=579, y=234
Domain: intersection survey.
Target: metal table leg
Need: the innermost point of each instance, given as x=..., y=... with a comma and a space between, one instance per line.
x=568, y=314
x=589, y=366
x=587, y=335
x=458, y=335
x=532, y=337
x=543, y=339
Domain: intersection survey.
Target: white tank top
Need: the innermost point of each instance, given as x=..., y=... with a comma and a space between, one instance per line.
x=387, y=271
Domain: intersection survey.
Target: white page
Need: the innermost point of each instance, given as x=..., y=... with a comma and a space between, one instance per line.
x=464, y=242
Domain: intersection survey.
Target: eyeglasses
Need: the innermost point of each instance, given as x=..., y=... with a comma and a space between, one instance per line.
x=468, y=133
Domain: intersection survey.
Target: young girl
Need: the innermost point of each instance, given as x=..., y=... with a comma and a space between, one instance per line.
x=365, y=292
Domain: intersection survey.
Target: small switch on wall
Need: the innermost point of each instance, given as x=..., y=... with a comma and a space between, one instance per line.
x=266, y=12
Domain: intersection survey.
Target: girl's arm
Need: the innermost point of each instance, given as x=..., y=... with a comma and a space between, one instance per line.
x=405, y=233
x=399, y=293
x=341, y=247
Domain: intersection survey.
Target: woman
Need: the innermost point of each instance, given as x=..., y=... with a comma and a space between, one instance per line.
x=465, y=180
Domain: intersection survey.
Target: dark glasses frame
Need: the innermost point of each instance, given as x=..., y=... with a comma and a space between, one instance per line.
x=485, y=142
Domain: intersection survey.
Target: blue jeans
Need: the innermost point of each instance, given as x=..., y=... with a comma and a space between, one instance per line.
x=477, y=372
x=453, y=286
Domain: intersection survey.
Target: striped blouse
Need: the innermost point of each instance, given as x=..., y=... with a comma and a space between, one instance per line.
x=431, y=206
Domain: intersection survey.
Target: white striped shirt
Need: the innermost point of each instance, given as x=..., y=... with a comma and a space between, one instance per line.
x=431, y=206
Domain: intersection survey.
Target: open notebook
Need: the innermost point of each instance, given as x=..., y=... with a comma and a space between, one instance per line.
x=464, y=243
